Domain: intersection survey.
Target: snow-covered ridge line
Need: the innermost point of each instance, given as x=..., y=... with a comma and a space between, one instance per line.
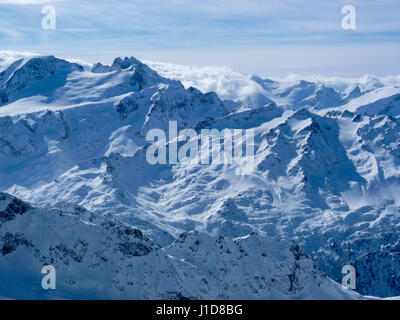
x=80, y=246
x=246, y=89
x=230, y=84
x=326, y=176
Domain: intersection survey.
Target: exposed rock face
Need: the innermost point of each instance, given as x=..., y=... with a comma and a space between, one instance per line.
x=105, y=258
x=81, y=195
x=11, y=207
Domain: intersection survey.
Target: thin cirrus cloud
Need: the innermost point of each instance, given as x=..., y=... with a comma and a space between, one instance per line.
x=26, y=2
x=243, y=34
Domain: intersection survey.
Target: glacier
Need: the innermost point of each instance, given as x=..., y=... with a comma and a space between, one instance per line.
x=78, y=193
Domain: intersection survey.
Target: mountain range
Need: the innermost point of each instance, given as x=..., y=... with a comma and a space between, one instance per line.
x=78, y=193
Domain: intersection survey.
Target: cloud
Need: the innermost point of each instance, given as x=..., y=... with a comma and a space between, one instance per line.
x=28, y=2
x=230, y=84
x=10, y=33
x=246, y=35
x=227, y=83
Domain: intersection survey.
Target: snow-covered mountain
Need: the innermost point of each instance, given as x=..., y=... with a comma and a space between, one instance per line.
x=292, y=92
x=97, y=257
x=78, y=192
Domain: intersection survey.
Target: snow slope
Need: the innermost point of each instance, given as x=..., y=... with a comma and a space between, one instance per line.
x=72, y=145
x=96, y=257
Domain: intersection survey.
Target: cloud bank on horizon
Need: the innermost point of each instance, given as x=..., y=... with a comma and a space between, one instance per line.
x=269, y=38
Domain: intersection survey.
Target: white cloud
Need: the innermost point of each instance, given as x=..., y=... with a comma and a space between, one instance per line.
x=22, y=2
x=226, y=82
x=229, y=84
x=269, y=38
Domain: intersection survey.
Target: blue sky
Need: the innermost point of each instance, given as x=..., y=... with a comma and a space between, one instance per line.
x=267, y=37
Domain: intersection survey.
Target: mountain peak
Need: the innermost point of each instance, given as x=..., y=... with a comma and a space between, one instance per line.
x=125, y=63
x=73, y=155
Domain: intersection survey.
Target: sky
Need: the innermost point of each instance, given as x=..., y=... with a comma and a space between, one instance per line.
x=265, y=37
